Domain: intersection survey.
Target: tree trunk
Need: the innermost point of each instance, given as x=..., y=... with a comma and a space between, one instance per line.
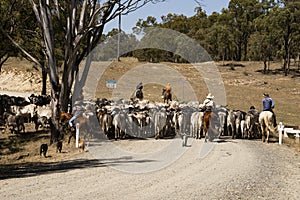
x=265, y=63
x=44, y=81
x=3, y=59
x=54, y=124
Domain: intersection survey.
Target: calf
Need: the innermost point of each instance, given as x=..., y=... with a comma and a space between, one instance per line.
x=39, y=121
x=43, y=149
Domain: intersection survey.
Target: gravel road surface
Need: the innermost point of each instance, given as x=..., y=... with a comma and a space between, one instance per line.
x=233, y=169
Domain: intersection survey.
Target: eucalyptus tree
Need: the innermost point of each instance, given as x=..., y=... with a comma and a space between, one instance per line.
x=285, y=23
x=243, y=13
x=11, y=22
x=147, y=54
x=82, y=22
x=22, y=36
x=198, y=25
x=108, y=48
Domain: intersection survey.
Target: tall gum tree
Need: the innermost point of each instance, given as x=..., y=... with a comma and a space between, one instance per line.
x=83, y=22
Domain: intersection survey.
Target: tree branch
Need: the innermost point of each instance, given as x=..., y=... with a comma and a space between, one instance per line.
x=24, y=51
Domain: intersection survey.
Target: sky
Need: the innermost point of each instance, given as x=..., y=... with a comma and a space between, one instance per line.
x=185, y=7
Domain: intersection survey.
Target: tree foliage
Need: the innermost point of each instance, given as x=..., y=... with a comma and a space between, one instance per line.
x=262, y=30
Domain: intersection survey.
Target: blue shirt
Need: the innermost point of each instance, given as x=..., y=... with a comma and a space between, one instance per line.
x=268, y=104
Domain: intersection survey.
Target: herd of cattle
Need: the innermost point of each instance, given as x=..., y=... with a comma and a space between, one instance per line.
x=144, y=119
x=130, y=118
x=15, y=111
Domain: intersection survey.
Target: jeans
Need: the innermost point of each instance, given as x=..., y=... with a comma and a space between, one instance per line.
x=71, y=121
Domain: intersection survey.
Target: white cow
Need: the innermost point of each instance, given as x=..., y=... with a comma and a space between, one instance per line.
x=196, y=124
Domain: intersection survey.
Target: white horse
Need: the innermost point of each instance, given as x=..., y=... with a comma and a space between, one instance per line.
x=266, y=124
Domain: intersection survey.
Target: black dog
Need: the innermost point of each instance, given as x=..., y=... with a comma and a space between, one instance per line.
x=43, y=149
x=59, y=146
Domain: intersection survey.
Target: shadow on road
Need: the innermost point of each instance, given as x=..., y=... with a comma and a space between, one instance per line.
x=40, y=168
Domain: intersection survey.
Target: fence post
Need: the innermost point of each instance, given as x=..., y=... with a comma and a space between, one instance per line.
x=77, y=135
x=280, y=129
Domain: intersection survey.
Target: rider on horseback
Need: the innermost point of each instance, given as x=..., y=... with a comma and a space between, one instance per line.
x=77, y=112
x=139, y=86
x=208, y=104
x=139, y=92
x=167, y=89
x=268, y=105
x=208, y=107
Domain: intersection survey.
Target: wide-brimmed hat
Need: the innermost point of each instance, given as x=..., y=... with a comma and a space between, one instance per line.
x=266, y=95
x=209, y=96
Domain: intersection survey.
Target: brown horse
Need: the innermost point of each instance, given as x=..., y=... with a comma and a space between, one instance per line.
x=209, y=122
x=65, y=117
x=167, y=95
x=85, y=126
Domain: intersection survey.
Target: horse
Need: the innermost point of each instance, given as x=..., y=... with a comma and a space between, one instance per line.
x=139, y=94
x=211, y=123
x=65, y=117
x=167, y=95
x=266, y=124
x=85, y=126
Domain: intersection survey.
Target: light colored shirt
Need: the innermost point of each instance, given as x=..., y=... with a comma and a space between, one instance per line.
x=209, y=103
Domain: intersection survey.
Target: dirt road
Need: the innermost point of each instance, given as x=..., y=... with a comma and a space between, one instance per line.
x=233, y=169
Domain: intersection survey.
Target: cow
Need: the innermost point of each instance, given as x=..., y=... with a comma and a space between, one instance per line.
x=160, y=121
x=105, y=120
x=183, y=118
x=39, y=121
x=252, y=124
x=234, y=119
x=222, y=113
x=121, y=124
x=196, y=124
x=14, y=121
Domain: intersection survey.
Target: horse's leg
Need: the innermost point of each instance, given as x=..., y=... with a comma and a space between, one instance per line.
x=262, y=133
x=268, y=130
x=205, y=130
x=70, y=137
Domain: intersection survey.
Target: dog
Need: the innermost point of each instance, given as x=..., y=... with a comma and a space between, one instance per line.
x=43, y=149
x=59, y=146
x=81, y=144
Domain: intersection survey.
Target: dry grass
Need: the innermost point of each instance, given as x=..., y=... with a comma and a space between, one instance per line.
x=244, y=86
